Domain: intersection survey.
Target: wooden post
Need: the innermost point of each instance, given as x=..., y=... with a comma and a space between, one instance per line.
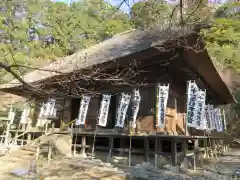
x=110, y=148
x=29, y=137
x=185, y=147
x=218, y=147
x=156, y=151
x=196, y=145
x=122, y=143
x=146, y=149
x=130, y=151
x=46, y=127
x=38, y=152
x=215, y=154
x=53, y=127
x=224, y=148
x=50, y=148
x=71, y=138
x=75, y=142
x=206, y=148
x=23, y=136
x=22, y=140
x=7, y=134
x=51, y=144
x=174, y=152
x=83, y=146
x=213, y=148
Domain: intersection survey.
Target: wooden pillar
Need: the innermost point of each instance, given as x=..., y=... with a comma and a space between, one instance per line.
x=38, y=152
x=221, y=147
x=156, y=151
x=130, y=151
x=122, y=146
x=206, y=147
x=29, y=137
x=51, y=144
x=201, y=154
x=213, y=148
x=110, y=148
x=174, y=152
x=50, y=148
x=83, y=146
x=216, y=148
x=185, y=147
x=229, y=149
x=224, y=148
x=7, y=135
x=146, y=149
x=196, y=147
x=72, y=135
x=53, y=127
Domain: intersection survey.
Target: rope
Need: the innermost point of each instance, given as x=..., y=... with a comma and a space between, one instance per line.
x=64, y=125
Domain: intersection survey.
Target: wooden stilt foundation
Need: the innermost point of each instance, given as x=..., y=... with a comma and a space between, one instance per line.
x=83, y=146
x=174, y=152
x=156, y=152
x=146, y=149
x=130, y=151
x=110, y=148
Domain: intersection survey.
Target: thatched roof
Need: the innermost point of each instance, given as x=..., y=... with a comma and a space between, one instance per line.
x=119, y=46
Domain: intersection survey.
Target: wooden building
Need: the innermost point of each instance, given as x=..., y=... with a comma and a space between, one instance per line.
x=134, y=59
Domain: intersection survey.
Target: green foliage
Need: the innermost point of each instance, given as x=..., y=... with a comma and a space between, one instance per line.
x=152, y=12
x=229, y=10
x=223, y=41
x=236, y=107
x=69, y=28
x=198, y=12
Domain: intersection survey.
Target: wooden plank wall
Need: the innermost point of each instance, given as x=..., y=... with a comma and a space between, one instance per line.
x=92, y=114
x=146, y=119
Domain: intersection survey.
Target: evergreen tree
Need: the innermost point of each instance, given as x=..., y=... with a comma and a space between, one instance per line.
x=43, y=30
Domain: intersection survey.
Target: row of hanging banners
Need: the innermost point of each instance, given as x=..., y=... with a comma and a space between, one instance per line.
x=47, y=110
x=199, y=115
x=125, y=101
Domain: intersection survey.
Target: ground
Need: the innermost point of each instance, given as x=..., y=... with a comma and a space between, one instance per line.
x=16, y=165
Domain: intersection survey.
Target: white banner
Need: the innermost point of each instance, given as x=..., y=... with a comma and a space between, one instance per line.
x=25, y=114
x=135, y=102
x=104, y=108
x=83, y=110
x=49, y=111
x=122, y=109
x=208, y=117
x=200, y=108
x=212, y=118
x=221, y=120
x=42, y=110
x=191, y=103
x=217, y=120
x=162, y=98
x=224, y=120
